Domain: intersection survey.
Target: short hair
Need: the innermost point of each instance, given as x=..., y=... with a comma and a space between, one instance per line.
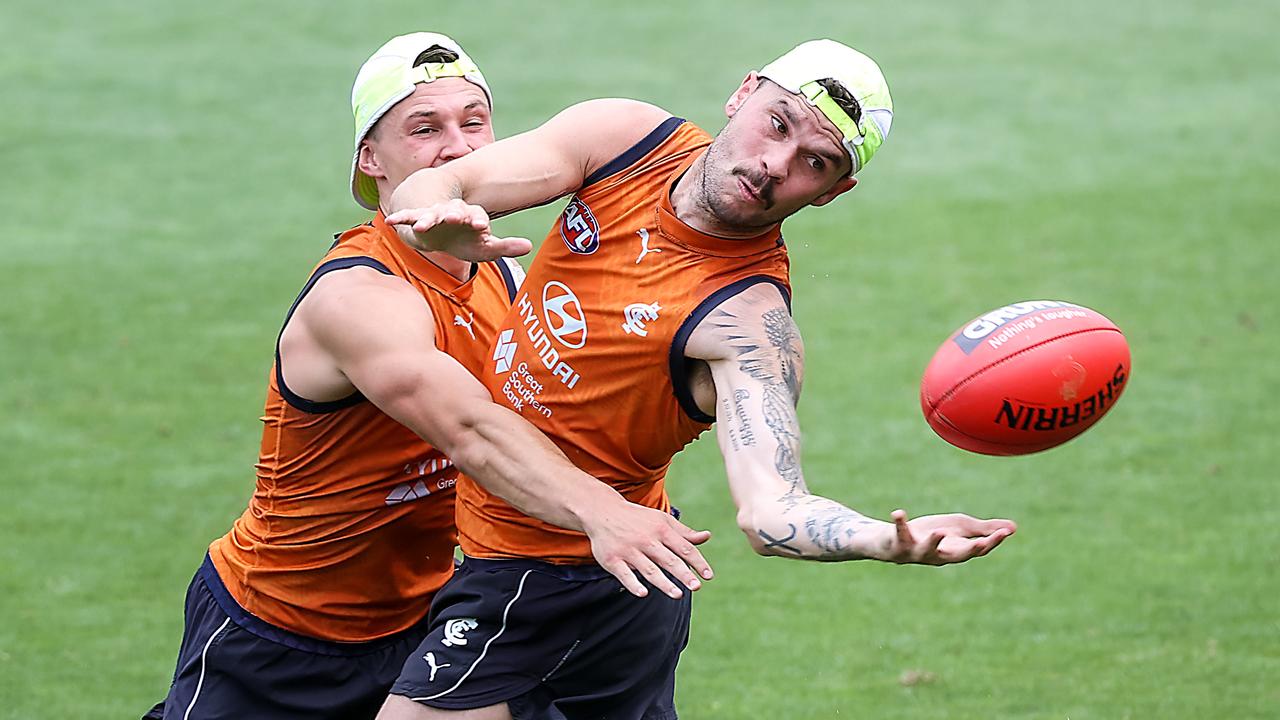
x=843, y=98
x=433, y=54
x=436, y=54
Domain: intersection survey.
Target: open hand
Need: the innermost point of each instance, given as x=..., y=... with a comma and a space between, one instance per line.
x=456, y=228
x=630, y=540
x=944, y=539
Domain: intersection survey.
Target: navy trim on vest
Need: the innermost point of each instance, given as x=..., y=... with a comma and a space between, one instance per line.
x=507, y=278
x=635, y=152
x=265, y=630
x=291, y=397
x=679, y=363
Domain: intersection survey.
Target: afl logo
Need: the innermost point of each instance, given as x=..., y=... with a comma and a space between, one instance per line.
x=563, y=313
x=579, y=228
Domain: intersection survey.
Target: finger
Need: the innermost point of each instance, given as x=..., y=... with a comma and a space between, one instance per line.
x=477, y=217
x=994, y=540
x=697, y=537
x=987, y=527
x=455, y=216
x=689, y=556
x=404, y=217
x=427, y=220
x=687, y=537
x=622, y=571
x=676, y=564
x=496, y=247
x=651, y=572
x=904, y=530
x=932, y=542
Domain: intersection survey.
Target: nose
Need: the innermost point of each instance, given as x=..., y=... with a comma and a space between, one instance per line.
x=776, y=160
x=453, y=145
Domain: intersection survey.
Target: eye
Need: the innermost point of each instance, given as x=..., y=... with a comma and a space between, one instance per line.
x=424, y=130
x=778, y=125
x=816, y=162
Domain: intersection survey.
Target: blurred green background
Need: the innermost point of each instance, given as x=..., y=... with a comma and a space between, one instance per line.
x=173, y=170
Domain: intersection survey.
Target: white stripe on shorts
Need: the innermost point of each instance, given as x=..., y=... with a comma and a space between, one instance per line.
x=200, y=682
x=484, y=652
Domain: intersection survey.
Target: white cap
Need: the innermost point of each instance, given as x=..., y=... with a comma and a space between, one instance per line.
x=799, y=72
x=388, y=77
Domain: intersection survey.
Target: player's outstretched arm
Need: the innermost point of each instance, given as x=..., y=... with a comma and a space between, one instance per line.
x=756, y=357
x=448, y=208
x=380, y=336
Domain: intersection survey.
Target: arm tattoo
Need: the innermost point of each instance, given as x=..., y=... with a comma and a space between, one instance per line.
x=771, y=542
x=830, y=526
x=832, y=531
x=778, y=366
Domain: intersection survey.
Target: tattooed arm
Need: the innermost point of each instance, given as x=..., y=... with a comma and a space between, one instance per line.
x=756, y=357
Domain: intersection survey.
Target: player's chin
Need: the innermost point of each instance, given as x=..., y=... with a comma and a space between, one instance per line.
x=742, y=214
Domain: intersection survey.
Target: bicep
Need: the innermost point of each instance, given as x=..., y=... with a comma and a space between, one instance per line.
x=756, y=358
x=555, y=158
x=392, y=359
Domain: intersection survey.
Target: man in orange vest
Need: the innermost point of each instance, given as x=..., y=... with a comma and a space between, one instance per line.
x=658, y=304
x=310, y=604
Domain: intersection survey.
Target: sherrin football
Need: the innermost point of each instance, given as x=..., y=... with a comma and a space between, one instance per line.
x=1024, y=378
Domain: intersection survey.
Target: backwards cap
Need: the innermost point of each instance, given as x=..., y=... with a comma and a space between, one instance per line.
x=799, y=72
x=388, y=77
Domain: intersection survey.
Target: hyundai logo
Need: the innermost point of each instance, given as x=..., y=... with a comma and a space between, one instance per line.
x=563, y=313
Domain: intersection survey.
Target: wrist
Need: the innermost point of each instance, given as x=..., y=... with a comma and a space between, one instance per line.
x=590, y=507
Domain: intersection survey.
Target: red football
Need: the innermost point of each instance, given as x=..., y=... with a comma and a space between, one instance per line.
x=1024, y=378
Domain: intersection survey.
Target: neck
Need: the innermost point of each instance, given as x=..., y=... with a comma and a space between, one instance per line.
x=459, y=269
x=689, y=200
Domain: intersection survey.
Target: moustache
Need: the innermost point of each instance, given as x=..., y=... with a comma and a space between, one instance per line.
x=760, y=183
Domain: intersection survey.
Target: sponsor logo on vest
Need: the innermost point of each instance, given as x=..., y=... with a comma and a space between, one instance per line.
x=563, y=313
x=1039, y=418
x=975, y=332
x=504, y=352
x=542, y=344
x=522, y=390
x=579, y=229
x=637, y=314
x=455, y=631
x=406, y=492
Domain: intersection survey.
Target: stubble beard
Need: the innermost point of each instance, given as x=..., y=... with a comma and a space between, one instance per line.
x=718, y=187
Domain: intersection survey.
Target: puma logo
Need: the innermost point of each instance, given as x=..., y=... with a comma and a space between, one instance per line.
x=457, y=320
x=435, y=667
x=644, y=245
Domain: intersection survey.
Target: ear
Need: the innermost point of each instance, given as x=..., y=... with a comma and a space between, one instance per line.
x=842, y=186
x=739, y=96
x=368, y=162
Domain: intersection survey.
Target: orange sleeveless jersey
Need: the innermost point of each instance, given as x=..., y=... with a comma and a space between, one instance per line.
x=592, y=350
x=351, y=527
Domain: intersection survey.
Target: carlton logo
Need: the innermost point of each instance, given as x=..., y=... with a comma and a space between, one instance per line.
x=563, y=314
x=579, y=228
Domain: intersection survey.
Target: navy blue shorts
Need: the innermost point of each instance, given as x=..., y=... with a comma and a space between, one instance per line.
x=234, y=665
x=554, y=642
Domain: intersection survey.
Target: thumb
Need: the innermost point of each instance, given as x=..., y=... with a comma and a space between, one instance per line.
x=509, y=247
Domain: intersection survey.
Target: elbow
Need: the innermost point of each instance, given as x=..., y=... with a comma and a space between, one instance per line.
x=754, y=531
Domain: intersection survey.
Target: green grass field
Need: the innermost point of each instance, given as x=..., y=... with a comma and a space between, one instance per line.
x=174, y=169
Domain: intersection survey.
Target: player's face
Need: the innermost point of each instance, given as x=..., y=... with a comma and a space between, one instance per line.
x=441, y=121
x=776, y=155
